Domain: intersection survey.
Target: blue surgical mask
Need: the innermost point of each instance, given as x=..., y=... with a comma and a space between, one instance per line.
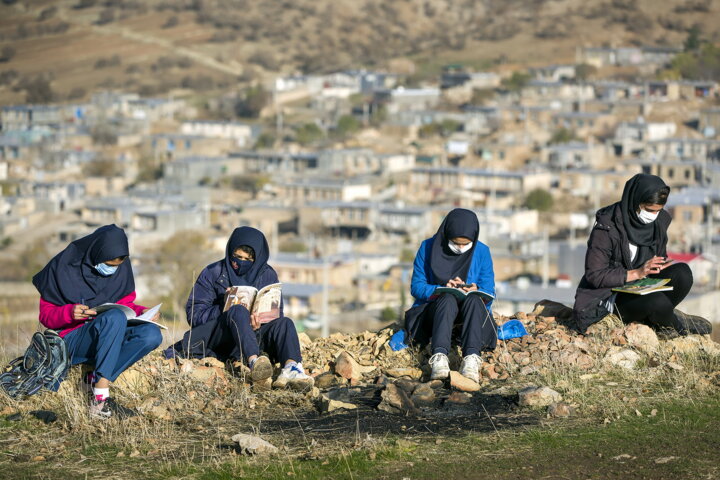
x=243, y=266
x=106, y=270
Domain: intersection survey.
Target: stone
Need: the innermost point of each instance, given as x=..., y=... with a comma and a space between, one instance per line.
x=252, y=445
x=133, y=380
x=327, y=380
x=423, y=395
x=662, y=460
x=549, y=308
x=561, y=409
x=395, y=400
x=533, y=396
x=328, y=405
x=304, y=339
x=624, y=358
x=528, y=370
x=347, y=367
x=458, y=398
x=414, y=373
x=462, y=383
x=211, y=362
x=642, y=337
x=437, y=383
x=187, y=367
x=407, y=384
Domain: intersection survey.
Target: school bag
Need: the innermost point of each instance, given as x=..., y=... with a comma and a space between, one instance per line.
x=44, y=364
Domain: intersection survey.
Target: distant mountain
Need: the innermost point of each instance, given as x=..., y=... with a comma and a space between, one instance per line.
x=151, y=46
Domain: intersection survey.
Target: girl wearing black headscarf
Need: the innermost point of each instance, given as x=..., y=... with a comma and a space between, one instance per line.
x=91, y=271
x=453, y=257
x=628, y=243
x=236, y=334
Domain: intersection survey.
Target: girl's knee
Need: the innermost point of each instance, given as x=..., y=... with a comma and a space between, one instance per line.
x=152, y=336
x=113, y=319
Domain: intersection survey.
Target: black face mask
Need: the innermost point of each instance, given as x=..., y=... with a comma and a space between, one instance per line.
x=241, y=267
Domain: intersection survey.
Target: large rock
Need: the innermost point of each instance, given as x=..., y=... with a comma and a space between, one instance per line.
x=549, y=308
x=462, y=383
x=133, y=380
x=538, y=396
x=620, y=357
x=327, y=380
x=252, y=445
x=642, y=337
x=328, y=404
x=561, y=409
x=411, y=372
x=347, y=367
x=423, y=395
x=395, y=400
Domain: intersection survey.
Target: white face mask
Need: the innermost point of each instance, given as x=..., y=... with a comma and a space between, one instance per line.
x=457, y=249
x=647, y=217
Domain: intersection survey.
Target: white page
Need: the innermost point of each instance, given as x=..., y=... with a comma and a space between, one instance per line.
x=150, y=313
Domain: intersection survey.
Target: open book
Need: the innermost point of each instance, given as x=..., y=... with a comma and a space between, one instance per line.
x=264, y=303
x=132, y=317
x=645, y=286
x=461, y=294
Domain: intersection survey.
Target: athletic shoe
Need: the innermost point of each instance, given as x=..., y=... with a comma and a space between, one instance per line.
x=87, y=381
x=693, y=324
x=261, y=369
x=295, y=376
x=109, y=408
x=440, y=366
x=470, y=367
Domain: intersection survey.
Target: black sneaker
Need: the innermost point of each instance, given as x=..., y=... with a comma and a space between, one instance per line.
x=109, y=408
x=667, y=333
x=693, y=324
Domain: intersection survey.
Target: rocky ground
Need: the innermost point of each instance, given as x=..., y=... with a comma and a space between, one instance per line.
x=364, y=392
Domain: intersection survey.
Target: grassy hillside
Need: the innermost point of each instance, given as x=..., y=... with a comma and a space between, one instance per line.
x=153, y=46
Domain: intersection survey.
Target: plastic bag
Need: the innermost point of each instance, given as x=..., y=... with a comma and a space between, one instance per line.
x=397, y=341
x=511, y=329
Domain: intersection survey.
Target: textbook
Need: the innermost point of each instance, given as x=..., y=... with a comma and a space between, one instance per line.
x=132, y=317
x=460, y=294
x=264, y=303
x=645, y=286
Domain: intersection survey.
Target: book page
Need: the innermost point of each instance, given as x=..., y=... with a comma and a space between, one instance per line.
x=240, y=295
x=487, y=297
x=267, y=303
x=129, y=312
x=147, y=317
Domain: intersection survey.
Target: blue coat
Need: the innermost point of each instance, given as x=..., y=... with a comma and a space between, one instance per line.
x=207, y=297
x=423, y=283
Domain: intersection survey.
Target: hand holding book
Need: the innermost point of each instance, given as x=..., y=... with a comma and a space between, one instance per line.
x=654, y=265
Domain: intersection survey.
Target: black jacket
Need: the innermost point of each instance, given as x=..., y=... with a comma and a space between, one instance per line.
x=607, y=262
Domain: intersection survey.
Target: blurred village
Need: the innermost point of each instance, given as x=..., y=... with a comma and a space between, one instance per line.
x=347, y=173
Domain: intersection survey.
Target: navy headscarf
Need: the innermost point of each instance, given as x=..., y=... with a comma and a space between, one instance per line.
x=255, y=239
x=446, y=264
x=648, y=237
x=70, y=277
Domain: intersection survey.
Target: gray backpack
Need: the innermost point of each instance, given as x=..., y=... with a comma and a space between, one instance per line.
x=44, y=364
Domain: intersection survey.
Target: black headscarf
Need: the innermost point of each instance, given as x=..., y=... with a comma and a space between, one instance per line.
x=253, y=238
x=647, y=236
x=70, y=277
x=444, y=263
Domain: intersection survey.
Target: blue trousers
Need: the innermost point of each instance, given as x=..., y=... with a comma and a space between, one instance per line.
x=110, y=345
x=231, y=336
x=478, y=331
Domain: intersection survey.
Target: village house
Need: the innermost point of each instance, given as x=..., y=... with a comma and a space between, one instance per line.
x=242, y=134
x=571, y=155
x=709, y=121
x=277, y=162
x=302, y=191
x=584, y=124
x=175, y=145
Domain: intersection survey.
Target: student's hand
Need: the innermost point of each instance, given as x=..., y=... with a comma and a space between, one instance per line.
x=471, y=288
x=654, y=265
x=254, y=321
x=453, y=282
x=155, y=318
x=666, y=263
x=82, y=312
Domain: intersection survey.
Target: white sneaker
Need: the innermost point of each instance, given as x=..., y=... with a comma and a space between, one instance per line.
x=470, y=367
x=440, y=366
x=295, y=376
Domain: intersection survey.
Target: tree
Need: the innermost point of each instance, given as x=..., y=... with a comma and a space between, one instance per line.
x=563, y=135
x=539, y=199
x=265, y=140
x=7, y=53
x=347, y=125
x=103, y=167
x=516, y=81
x=692, y=42
x=388, y=314
x=584, y=71
x=308, y=133
x=252, y=102
x=39, y=90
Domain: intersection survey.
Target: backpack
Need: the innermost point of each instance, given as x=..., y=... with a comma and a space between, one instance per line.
x=44, y=364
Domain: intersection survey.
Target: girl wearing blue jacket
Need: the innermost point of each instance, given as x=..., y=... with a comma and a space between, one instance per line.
x=453, y=257
x=236, y=334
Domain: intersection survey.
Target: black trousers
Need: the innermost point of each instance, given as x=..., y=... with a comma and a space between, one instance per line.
x=230, y=336
x=656, y=309
x=477, y=329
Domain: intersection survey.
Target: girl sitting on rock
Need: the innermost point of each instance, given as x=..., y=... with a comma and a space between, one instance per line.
x=628, y=243
x=453, y=257
x=91, y=271
x=236, y=334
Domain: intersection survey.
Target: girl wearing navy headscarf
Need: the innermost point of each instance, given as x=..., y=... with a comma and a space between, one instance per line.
x=236, y=334
x=451, y=258
x=91, y=271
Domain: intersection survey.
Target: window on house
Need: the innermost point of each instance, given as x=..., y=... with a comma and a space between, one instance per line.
x=687, y=215
x=671, y=172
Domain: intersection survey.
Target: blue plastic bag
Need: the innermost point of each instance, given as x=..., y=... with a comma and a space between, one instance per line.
x=511, y=329
x=397, y=341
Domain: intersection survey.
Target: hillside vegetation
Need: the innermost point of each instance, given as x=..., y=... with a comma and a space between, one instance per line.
x=154, y=46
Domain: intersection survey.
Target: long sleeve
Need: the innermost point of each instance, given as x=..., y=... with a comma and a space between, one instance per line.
x=482, y=274
x=129, y=301
x=57, y=317
x=420, y=286
x=599, y=269
x=203, y=304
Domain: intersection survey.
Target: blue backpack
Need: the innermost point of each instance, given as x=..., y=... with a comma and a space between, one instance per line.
x=44, y=364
